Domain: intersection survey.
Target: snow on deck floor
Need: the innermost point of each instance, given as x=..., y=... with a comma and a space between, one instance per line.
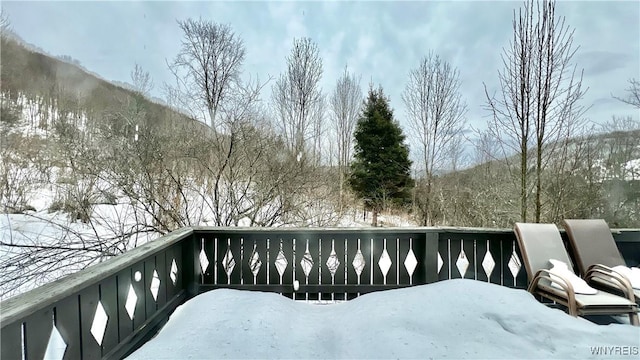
x=454, y=319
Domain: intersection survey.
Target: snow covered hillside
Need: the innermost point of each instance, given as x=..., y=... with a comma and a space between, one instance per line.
x=456, y=319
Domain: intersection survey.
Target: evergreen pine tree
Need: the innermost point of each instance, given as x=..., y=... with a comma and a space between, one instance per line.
x=380, y=172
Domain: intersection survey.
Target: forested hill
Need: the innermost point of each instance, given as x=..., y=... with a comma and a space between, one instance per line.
x=29, y=75
x=86, y=142
x=597, y=177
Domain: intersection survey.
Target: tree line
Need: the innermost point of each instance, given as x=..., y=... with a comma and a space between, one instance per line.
x=536, y=117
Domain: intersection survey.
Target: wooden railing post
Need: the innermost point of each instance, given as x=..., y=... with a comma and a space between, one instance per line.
x=191, y=273
x=431, y=256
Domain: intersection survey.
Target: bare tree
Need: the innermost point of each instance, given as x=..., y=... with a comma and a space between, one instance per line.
x=491, y=190
x=134, y=108
x=539, y=96
x=142, y=81
x=633, y=96
x=344, y=105
x=211, y=60
x=297, y=94
x=208, y=64
x=567, y=174
x=436, y=114
x=5, y=24
x=319, y=130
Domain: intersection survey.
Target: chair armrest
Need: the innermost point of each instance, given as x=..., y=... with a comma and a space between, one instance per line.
x=562, y=282
x=611, y=278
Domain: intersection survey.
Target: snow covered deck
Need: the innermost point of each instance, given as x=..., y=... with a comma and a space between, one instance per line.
x=455, y=319
x=111, y=309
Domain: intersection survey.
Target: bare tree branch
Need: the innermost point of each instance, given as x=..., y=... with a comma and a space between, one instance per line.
x=141, y=80
x=633, y=96
x=540, y=96
x=211, y=57
x=297, y=95
x=436, y=114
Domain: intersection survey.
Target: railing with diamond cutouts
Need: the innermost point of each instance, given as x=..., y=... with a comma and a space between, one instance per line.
x=102, y=312
x=110, y=309
x=327, y=264
x=341, y=264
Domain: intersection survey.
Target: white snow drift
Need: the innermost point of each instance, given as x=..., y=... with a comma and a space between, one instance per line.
x=455, y=319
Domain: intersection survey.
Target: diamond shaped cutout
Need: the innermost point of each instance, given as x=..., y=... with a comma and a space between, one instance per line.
x=333, y=262
x=155, y=285
x=410, y=262
x=514, y=264
x=385, y=262
x=281, y=263
x=488, y=264
x=99, y=324
x=440, y=262
x=173, y=274
x=306, y=262
x=130, y=304
x=56, y=346
x=228, y=262
x=254, y=262
x=204, y=262
x=462, y=263
x=358, y=262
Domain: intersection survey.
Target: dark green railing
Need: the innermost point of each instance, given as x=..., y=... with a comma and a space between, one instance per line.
x=110, y=309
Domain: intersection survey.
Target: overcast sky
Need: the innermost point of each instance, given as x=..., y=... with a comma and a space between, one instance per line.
x=381, y=41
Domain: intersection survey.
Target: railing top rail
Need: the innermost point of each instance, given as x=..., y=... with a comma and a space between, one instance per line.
x=384, y=230
x=25, y=304
x=436, y=229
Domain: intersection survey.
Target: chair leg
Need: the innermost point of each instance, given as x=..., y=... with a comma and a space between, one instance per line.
x=573, y=309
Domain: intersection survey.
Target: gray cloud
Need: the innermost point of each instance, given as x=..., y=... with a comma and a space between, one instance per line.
x=381, y=41
x=600, y=62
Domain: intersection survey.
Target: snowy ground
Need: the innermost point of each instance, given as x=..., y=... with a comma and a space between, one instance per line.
x=454, y=319
x=24, y=268
x=41, y=228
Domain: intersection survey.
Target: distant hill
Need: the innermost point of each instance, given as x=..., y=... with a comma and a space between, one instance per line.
x=28, y=72
x=619, y=149
x=600, y=177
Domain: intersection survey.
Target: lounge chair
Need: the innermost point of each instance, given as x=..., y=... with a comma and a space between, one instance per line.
x=540, y=243
x=597, y=256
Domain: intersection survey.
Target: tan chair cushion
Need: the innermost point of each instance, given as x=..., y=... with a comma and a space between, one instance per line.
x=601, y=298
